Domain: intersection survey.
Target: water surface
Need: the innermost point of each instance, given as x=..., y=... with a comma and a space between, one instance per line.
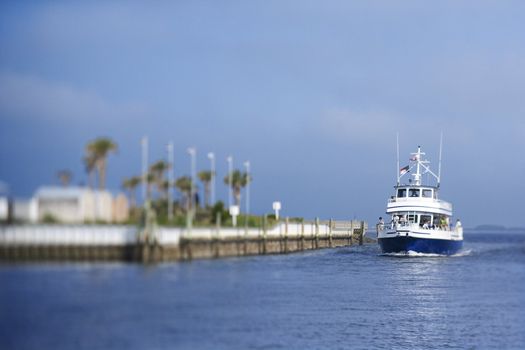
x=328, y=299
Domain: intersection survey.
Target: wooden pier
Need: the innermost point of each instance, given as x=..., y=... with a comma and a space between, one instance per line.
x=132, y=244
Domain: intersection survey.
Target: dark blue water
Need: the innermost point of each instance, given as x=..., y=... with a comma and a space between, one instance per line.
x=328, y=299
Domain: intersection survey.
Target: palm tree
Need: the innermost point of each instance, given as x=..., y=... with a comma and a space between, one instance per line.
x=89, y=163
x=206, y=177
x=131, y=185
x=239, y=180
x=183, y=184
x=99, y=150
x=158, y=170
x=64, y=176
x=150, y=180
x=164, y=187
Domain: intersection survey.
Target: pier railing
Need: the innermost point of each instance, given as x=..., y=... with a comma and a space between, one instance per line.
x=122, y=235
x=131, y=243
x=67, y=235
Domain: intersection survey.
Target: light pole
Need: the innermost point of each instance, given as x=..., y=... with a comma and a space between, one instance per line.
x=192, y=152
x=144, y=143
x=211, y=157
x=230, y=170
x=170, y=180
x=276, y=207
x=247, y=166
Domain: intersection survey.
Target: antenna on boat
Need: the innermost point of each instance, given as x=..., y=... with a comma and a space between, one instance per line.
x=397, y=169
x=440, y=152
x=421, y=164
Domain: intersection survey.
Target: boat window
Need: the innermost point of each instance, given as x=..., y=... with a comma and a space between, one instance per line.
x=427, y=193
x=412, y=218
x=401, y=193
x=425, y=220
x=413, y=192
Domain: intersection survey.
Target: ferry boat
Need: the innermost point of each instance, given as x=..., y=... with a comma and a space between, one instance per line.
x=420, y=220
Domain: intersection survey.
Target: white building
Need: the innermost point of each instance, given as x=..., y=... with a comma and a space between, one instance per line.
x=4, y=208
x=25, y=210
x=4, y=201
x=74, y=204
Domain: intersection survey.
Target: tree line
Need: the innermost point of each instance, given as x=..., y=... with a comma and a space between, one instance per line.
x=95, y=160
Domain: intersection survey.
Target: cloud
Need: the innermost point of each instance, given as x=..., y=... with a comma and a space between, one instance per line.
x=31, y=98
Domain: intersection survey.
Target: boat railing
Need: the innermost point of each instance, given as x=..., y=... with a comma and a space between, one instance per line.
x=406, y=199
x=431, y=202
x=393, y=225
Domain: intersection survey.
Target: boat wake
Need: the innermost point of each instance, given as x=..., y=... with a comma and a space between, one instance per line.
x=465, y=252
x=413, y=254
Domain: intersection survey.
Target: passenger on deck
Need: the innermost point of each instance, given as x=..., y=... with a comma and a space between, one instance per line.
x=458, y=225
x=395, y=222
x=381, y=224
x=443, y=223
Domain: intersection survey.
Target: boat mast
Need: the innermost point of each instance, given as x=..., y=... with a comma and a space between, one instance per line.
x=421, y=163
x=417, y=158
x=397, y=169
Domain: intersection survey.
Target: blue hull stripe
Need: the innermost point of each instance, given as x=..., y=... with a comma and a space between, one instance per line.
x=420, y=245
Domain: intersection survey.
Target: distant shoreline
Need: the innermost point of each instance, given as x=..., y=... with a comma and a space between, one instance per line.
x=495, y=228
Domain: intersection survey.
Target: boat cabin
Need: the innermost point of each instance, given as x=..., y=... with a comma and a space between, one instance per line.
x=415, y=192
x=425, y=220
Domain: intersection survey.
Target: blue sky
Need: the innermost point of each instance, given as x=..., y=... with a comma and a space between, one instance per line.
x=311, y=92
